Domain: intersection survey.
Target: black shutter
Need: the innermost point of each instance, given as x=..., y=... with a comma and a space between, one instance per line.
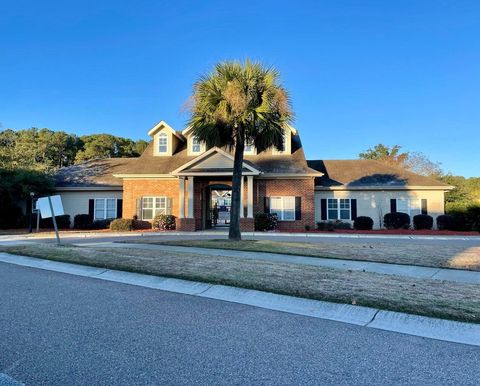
x=91, y=208
x=266, y=203
x=139, y=209
x=393, y=205
x=323, y=208
x=353, y=207
x=119, y=207
x=424, y=206
x=298, y=208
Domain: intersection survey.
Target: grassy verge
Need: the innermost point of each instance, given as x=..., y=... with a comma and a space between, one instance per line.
x=453, y=256
x=418, y=296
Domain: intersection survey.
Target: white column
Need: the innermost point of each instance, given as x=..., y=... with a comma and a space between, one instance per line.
x=242, y=203
x=181, y=197
x=250, y=196
x=190, y=197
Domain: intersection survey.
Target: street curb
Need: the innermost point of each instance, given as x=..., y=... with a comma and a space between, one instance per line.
x=248, y=234
x=440, y=329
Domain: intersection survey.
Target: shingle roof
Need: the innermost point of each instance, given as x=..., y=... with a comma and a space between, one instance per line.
x=147, y=163
x=93, y=173
x=362, y=173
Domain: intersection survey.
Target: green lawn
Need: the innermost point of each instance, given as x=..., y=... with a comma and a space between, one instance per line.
x=453, y=257
x=418, y=296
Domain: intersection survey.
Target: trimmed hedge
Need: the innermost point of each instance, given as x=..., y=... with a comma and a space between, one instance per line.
x=265, y=222
x=164, y=222
x=363, y=223
x=82, y=221
x=332, y=225
x=102, y=224
x=397, y=220
x=446, y=222
x=422, y=221
x=122, y=224
x=63, y=222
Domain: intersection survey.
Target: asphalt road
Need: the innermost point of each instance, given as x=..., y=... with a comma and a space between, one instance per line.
x=60, y=329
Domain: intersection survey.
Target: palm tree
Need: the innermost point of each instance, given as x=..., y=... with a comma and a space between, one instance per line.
x=240, y=103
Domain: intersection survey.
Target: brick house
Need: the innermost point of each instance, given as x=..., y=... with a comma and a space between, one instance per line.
x=177, y=175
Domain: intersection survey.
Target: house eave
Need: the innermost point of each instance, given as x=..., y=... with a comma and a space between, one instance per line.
x=378, y=187
x=86, y=188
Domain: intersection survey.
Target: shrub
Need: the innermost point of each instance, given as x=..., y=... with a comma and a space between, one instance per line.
x=265, y=222
x=332, y=225
x=63, y=222
x=164, y=222
x=102, y=224
x=465, y=217
x=122, y=224
x=82, y=221
x=397, y=220
x=422, y=221
x=446, y=222
x=307, y=228
x=363, y=223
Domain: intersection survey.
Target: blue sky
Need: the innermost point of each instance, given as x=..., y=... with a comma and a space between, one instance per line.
x=359, y=72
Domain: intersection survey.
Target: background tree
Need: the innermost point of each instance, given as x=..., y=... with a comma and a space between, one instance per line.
x=238, y=103
x=413, y=161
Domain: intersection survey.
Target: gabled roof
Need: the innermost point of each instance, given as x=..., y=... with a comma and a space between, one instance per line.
x=164, y=125
x=148, y=164
x=214, y=160
x=360, y=174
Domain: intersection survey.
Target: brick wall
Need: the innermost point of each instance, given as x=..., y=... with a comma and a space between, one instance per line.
x=135, y=189
x=303, y=188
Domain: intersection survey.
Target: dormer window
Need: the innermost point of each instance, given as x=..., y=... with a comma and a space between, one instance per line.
x=196, y=145
x=162, y=143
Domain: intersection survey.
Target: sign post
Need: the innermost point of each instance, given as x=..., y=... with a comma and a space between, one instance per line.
x=54, y=220
x=51, y=206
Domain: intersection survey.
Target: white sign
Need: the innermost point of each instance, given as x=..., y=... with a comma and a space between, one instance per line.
x=44, y=206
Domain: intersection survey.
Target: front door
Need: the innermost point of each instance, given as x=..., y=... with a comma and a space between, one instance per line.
x=220, y=203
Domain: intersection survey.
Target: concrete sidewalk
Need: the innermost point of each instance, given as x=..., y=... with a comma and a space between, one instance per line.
x=455, y=275
x=446, y=330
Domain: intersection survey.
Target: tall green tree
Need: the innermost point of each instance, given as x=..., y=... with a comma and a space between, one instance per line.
x=240, y=103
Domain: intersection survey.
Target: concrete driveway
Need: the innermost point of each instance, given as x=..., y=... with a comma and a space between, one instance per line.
x=59, y=329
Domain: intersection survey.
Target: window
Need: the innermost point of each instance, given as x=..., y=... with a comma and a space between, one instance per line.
x=196, y=145
x=410, y=206
x=339, y=209
x=283, y=207
x=162, y=142
x=151, y=206
x=105, y=208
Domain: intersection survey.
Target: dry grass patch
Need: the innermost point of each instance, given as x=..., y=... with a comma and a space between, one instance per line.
x=454, y=257
x=418, y=296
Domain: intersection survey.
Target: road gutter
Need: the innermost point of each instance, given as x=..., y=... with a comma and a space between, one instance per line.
x=440, y=329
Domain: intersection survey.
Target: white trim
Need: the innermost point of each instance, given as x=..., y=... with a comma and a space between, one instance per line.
x=160, y=125
x=144, y=176
x=205, y=155
x=87, y=188
x=384, y=187
x=280, y=216
x=339, y=209
x=104, y=208
x=269, y=176
x=161, y=136
x=154, y=208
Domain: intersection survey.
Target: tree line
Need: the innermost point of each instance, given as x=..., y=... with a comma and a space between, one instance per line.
x=46, y=150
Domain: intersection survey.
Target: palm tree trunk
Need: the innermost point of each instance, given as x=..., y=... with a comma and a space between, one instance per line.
x=234, y=230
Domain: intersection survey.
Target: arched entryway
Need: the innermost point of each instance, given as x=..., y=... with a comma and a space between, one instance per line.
x=217, y=206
